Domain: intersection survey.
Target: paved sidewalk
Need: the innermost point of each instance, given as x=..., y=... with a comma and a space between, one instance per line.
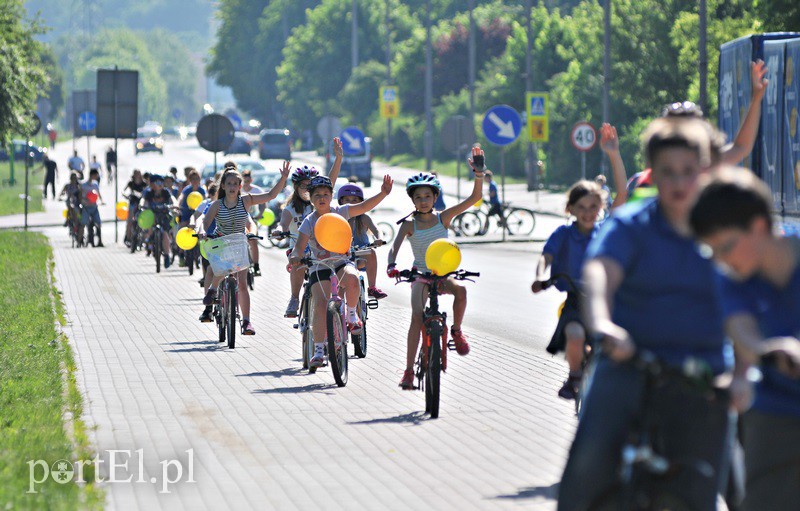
x=266, y=435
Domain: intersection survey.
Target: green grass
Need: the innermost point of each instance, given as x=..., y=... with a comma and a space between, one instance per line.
x=10, y=202
x=443, y=167
x=33, y=394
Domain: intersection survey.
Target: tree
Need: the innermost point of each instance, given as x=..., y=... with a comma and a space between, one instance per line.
x=358, y=99
x=55, y=89
x=316, y=58
x=176, y=68
x=22, y=74
x=780, y=15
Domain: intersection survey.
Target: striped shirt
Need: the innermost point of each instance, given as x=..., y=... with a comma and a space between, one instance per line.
x=421, y=239
x=232, y=221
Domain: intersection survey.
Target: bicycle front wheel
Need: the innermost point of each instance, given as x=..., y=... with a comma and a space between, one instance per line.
x=469, y=224
x=360, y=339
x=387, y=231
x=434, y=370
x=520, y=222
x=157, y=249
x=231, y=315
x=337, y=344
x=304, y=323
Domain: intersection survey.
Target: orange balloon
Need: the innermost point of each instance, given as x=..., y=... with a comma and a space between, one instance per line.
x=333, y=233
x=122, y=212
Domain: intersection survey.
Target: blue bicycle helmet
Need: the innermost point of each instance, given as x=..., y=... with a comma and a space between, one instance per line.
x=319, y=181
x=350, y=191
x=423, y=180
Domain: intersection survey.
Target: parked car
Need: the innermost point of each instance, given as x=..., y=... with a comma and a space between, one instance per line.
x=358, y=165
x=242, y=164
x=35, y=153
x=149, y=139
x=274, y=144
x=240, y=145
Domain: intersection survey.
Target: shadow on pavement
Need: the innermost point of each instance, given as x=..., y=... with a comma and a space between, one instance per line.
x=415, y=418
x=280, y=373
x=314, y=387
x=209, y=345
x=548, y=492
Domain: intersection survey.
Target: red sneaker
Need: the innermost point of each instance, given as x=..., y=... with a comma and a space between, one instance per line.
x=407, y=383
x=462, y=346
x=376, y=293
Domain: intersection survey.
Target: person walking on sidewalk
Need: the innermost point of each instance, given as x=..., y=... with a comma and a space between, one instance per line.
x=50, y=174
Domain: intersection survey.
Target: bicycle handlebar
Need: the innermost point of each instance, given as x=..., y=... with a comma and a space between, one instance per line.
x=413, y=274
x=553, y=278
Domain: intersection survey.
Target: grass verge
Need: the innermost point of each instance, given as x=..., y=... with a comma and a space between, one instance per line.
x=10, y=201
x=443, y=167
x=41, y=405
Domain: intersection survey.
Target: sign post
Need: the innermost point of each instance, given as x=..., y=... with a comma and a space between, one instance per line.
x=502, y=125
x=583, y=137
x=327, y=128
x=389, y=109
x=37, y=125
x=215, y=134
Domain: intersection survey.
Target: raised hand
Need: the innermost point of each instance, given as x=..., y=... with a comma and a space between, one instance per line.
x=609, y=142
x=758, y=70
x=286, y=169
x=386, y=186
x=478, y=160
x=337, y=148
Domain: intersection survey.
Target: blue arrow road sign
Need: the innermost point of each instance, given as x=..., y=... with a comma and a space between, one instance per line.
x=352, y=140
x=87, y=121
x=502, y=125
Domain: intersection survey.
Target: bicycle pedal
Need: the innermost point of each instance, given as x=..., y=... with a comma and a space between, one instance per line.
x=296, y=326
x=451, y=345
x=372, y=303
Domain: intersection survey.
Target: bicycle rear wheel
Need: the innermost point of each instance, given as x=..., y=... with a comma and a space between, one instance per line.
x=230, y=312
x=520, y=222
x=157, y=248
x=337, y=344
x=189, y=257
x=387, y=231
x=433, y=375
x=250, y=279
x=219, y=317
x=304, y=322
x=360, y=339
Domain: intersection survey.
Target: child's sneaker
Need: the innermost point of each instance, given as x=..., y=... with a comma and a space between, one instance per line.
x=318, y=360
x=462, y=346
x=205, y=317
x=291, y=309
x=374, y=292
x=407, y=383
x=210, y=296
x=569, y=390
x=247, y=328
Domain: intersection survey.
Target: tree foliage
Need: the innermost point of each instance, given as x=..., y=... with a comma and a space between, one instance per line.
x=176, y=67
x=22, y=74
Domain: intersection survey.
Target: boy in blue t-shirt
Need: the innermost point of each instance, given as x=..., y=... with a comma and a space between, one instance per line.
x=760, y=289
x=648, y=288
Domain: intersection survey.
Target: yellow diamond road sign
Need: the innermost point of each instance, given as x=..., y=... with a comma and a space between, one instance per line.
x=538, y=114
x=389, y=102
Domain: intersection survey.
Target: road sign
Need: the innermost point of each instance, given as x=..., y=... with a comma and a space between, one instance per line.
x=389, y=102
x=352, y=141
x=502, y=125
x=236, y=120
x=457, y=132
x=87, y=121
x=328, y=127
x=538, y=116
x=583, y=136
x=215, y=132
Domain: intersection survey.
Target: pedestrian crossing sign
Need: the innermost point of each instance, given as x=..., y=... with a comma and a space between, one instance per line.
x=538, y=116
x=389, y=102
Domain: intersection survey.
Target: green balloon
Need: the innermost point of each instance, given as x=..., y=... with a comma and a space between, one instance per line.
x=146, y=219
x=268, y=218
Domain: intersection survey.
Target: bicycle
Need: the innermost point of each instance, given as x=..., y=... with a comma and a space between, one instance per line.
x=359, y=340
x=432, y=357
x=643, y=465
x=387, y=231
x=158, y=232
x=226, y=306
x=586, y=366
x=514, y=220
x=336, y=337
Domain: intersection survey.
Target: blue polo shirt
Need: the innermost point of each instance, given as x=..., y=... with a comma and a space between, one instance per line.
x=568, y=246
x=777, y=312
x=494, y=200
x=668, y=299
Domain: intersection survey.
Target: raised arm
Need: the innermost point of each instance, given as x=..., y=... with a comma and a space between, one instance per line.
x=476, y=195
x=742, y=145
x=338, y=153
x=261, y=198
x=369, y=204
x=609, y=143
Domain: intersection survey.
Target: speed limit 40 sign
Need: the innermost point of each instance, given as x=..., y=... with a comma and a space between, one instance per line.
x=583, y=136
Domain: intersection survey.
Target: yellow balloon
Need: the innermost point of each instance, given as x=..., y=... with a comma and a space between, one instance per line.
x=65, y=213
x=561, y=308
x=122, y=212
x=185, y=240
x=478, y=204
x=443, y=256
x=122, y=204
x=333, y=233
x=194, y=199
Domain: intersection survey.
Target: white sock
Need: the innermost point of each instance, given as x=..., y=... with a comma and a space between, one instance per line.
x=319, y=347
x=351, y=313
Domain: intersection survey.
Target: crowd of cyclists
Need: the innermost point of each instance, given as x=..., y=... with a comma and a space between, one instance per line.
x=690, y=273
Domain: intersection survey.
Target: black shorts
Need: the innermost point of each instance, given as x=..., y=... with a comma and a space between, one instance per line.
x=570, y=313
x=322, y=274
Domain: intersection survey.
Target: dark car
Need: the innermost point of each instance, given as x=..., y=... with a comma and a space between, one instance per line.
x=274, y=144
x=241, y=144
x=35, y=153
x=149, y=139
